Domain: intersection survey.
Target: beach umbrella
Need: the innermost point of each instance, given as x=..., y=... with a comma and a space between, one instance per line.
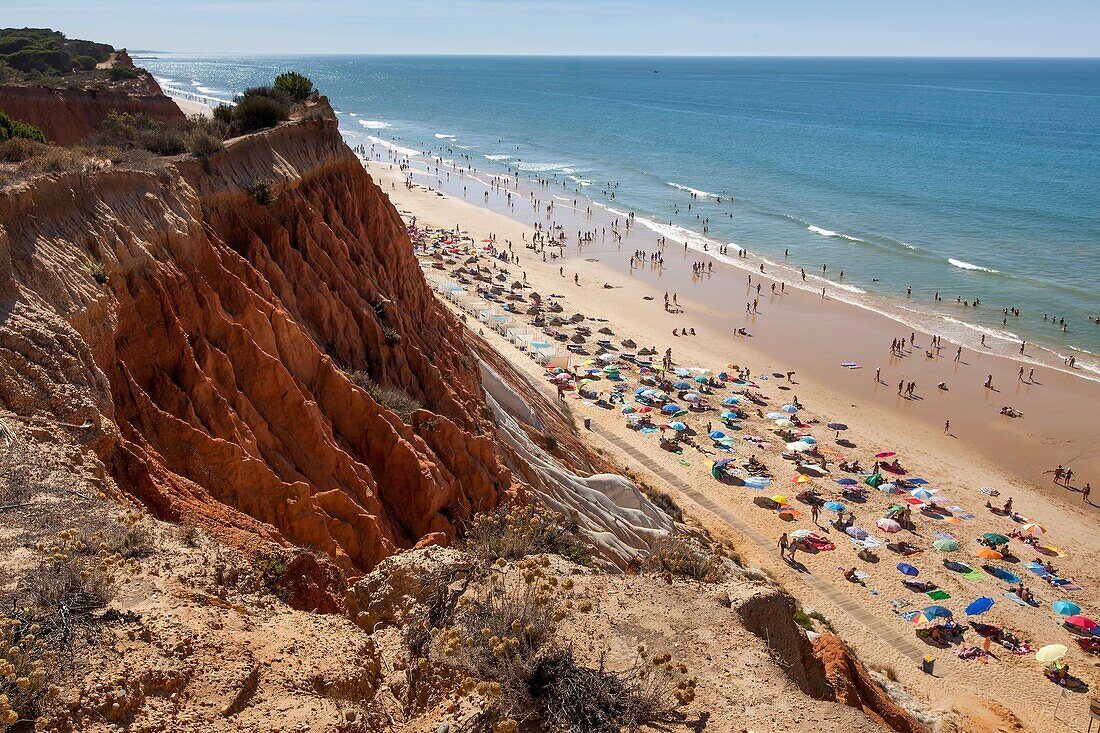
x=800, y=533
x=1081, y=622
x=758, y=482
x=847, y=481
x=627, y=409
x=885, y=454
x=835, y=506
x=857, y=532
x=919, y=617
x=779, y=499
x=681, y=372
x=798, y=446
x=994, y=538
x=670, y=409
x=692, y=397
x=907, y=569
x=811, y=469
x=730, y=401
x=646, y=408
x=776, y=416
x=678, y=426
x=723, y=462
x=1051, y=653
x=888, y=525
x=789, y=409
x=1065, y=608
x=702, y=380
x=606, y=357
x=727, y=415
x=682, y=385
x=987, y=554
x=887, y=487
x=717, y=435
x=937, y=612
x=979, y=606
x=801, y=479
x=922, y=494
x=808, y=439
x=918, y=481
x=946, y=545
x=784, y=423
x=838, y=426
x=1033, y=528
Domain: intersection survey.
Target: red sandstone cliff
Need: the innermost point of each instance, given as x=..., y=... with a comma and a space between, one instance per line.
x=213, y=363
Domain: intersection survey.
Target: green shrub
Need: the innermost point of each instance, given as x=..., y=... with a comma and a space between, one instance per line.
x=10, y=129
x=99, y=273
x=261, y=190
x=125, y=131
x=296, y=86
x=258, y=112
x=121, y=72
x=394, y=399
x=19, y=149
x=224, y=113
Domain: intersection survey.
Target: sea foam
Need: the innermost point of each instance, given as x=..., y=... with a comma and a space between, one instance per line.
x=372, y=124
x=969, y=266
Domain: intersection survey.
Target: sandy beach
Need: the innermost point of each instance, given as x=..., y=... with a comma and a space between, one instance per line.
x=800, y=331
x=190, y=107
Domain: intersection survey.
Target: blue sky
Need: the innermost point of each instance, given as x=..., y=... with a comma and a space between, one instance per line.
x=688, y=27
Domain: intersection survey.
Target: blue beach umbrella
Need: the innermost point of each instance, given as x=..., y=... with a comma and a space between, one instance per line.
x=847, y=481
x=789, y=409
x=757, y=482
x=730, y=401
x=907, y=569
x=808, y=439
x=678, y=426
x=937, y=612
x=1066, y=608
x=681, y=372
x=835, y=506
x=717, y=435
x=702, y=380
x=979, y=606
x=922, y=494
x=727, y=415
x=682, y=385
x=670, y=409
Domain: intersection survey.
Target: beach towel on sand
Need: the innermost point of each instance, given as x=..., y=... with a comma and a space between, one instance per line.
x=939, y=595
x=973, y=576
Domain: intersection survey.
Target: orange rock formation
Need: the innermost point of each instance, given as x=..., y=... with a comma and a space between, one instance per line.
x=214, y=362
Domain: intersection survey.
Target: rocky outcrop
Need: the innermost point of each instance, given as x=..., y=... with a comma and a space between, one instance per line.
x=852, y=684
x=67, y=116
x=213, y=364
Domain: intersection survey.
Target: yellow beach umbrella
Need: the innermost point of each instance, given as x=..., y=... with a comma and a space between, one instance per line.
x=779, y=499
x=1051, y=653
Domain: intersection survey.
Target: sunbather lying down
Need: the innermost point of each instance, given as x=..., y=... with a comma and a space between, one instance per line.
x=903, y=548
x=920, y=586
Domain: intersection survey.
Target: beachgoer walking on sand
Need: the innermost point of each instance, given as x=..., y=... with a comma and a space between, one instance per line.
x=815, y=512
x=901, y=386
x=988, y=382
x=1086, y=491
x=878, y=374
x=958, y=353
x=1069, y=476
x=947, y=428
x=1020, y=376
x=1058, y=473
x=782, y=544
x=1031, y=374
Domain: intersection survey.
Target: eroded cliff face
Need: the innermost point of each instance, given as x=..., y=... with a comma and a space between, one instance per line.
x=213, y=363
x=68, y=116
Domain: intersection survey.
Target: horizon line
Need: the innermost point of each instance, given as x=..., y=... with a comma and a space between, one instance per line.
x=617, y=55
